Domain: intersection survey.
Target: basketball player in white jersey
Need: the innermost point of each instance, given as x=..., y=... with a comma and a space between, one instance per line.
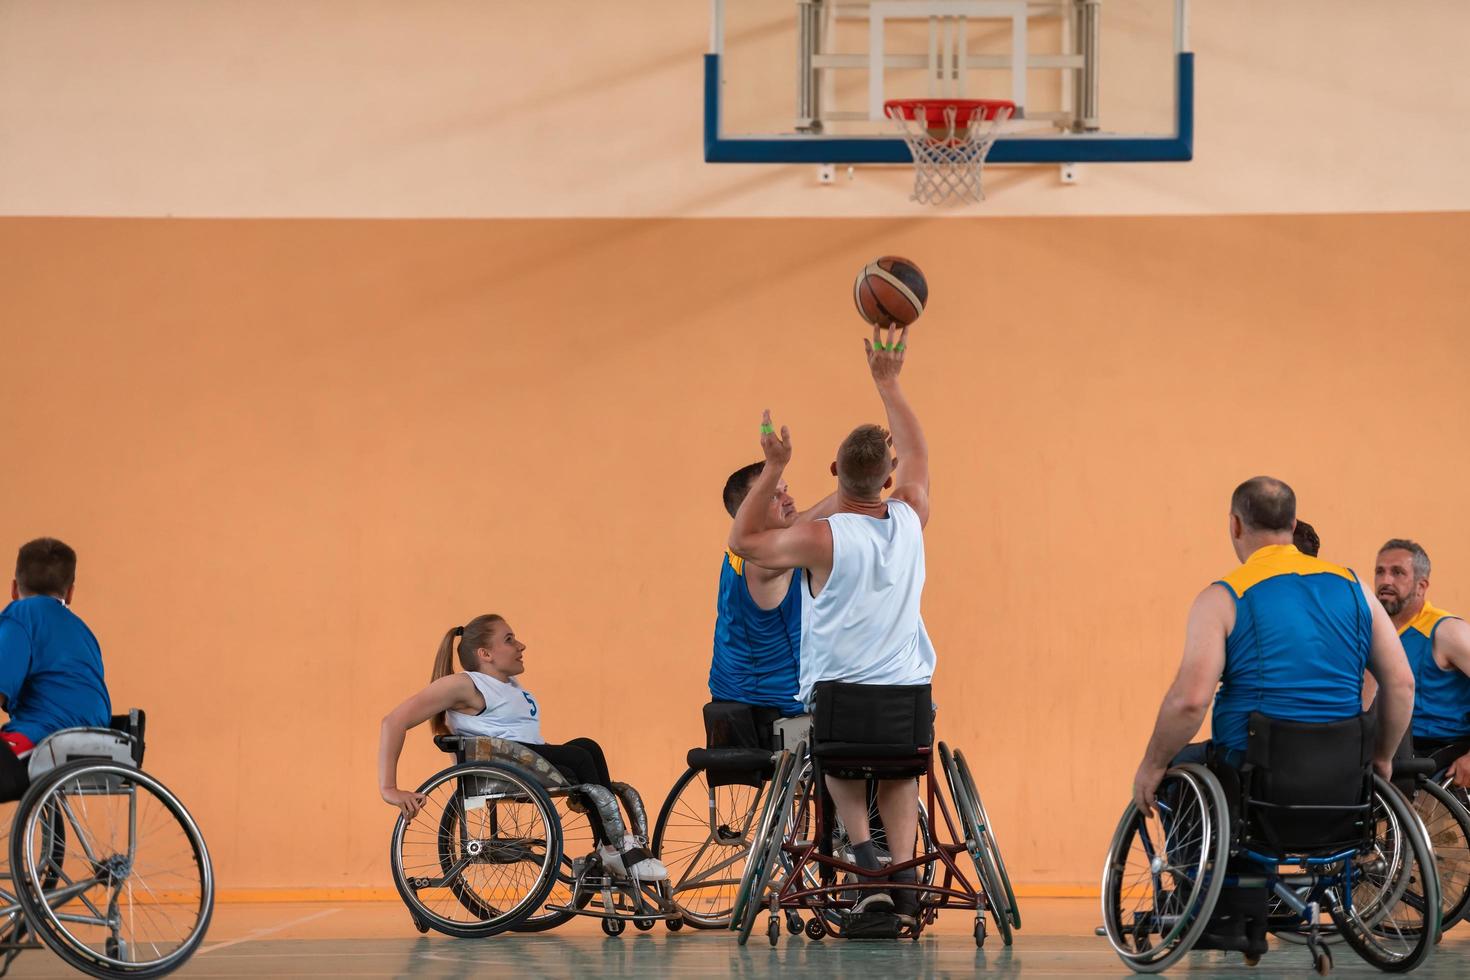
x=863, y=579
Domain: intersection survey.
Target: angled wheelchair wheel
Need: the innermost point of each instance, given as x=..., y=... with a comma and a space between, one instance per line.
x=576, y=842
x=765, y=849
x=482, y=854
x=1448, y=824
x=975, y=844
x=703, y=836
x=1164, y=871
x=1389, y=909
x=987, y=831
x=111, y=871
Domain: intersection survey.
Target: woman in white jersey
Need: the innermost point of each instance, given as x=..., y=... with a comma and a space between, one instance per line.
x=485, y=699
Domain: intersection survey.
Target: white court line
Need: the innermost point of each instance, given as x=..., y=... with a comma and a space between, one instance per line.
x=258, y=933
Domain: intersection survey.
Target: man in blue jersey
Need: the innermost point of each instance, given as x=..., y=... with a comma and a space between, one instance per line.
x=757, y=644
x=1438, y=647
x=50, y=664
x=1285, y=634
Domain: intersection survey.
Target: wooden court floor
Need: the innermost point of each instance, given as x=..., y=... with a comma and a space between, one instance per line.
x=350, y=939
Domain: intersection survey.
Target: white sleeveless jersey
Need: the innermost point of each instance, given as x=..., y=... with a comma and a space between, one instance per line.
x=865, y=627
x=510, y=712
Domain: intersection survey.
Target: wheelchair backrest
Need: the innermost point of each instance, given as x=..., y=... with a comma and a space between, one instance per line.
x=480, y=748
x=892, y=717
x=1307, y=786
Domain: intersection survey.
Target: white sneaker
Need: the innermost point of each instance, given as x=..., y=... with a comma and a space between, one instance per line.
x=647, y=868
x=612, y=861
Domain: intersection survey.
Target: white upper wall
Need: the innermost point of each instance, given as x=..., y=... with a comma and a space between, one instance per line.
x=576, y=108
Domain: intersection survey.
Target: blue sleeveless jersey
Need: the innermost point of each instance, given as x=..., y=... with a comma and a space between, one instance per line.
x=1441, y=696
x=1299, y=645
x=757, y=651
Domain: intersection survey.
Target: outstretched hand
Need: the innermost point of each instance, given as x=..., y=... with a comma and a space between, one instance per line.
x=885, y=356
x=776, y=447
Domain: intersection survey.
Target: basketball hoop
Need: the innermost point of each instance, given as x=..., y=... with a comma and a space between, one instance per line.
x=949, y=140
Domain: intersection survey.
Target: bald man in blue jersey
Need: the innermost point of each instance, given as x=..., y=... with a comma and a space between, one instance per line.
x=1285, y=634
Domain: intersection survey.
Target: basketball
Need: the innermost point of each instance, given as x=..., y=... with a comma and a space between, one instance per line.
x=890, y=291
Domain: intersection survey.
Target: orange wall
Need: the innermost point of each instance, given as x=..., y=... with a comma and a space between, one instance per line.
x=292, y=453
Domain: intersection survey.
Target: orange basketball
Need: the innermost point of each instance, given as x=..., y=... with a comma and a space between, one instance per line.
x=890, y=290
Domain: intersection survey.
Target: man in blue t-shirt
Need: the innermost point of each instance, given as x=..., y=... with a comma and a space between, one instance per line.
x=50, y=665
x=755, y=669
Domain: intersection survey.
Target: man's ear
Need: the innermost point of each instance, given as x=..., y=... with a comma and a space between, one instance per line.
x=69, y=590
x=14, y=589
x=834, y=467
x=888, y=483
x=1237, y=526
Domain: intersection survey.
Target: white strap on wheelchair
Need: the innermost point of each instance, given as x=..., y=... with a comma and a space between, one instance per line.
x=75, y=744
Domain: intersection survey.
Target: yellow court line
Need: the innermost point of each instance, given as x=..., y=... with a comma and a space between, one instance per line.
x=243, y=895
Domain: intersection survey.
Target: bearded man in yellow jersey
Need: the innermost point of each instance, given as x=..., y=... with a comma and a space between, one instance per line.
x=1437, y=644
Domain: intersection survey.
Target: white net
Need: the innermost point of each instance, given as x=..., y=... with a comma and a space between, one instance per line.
x=949, y=145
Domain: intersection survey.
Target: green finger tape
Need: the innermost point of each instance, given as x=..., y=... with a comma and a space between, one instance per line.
x=766, y=430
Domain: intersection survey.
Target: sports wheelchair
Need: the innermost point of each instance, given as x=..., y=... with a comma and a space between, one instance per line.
x=503, y=843
x=798, y=858
x=106, y=867
x=705, y=825
x=1208, y=870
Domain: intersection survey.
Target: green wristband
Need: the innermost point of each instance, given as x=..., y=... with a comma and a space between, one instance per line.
x=766, y=430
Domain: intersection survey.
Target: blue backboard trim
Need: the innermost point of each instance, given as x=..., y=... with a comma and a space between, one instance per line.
x=1007, y=149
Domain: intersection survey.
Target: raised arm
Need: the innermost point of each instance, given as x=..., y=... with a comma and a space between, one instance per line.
x=1390, y=668
x=806, y=544
x=911, y=477
x=454, y=691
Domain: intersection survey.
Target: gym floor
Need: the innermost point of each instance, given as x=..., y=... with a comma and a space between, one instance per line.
x=358, y=939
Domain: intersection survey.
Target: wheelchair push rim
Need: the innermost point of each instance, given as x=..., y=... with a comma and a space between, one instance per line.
x=113, y=895
x=483, y=852
x=1182, y=845
x=987, y=830
x=975, y=846
x=1396, y=928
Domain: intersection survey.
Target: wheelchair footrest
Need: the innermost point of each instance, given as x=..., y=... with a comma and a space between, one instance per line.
x=872, y=924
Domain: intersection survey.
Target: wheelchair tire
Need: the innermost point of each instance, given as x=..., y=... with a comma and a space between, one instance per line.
x=415, y=850
x=980, y=855
x=987, y=830
x=1396, y=928
x=1448, y=824
x=765, y=849
x=38, y=861
x=699, y=897
x=1203, y=846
